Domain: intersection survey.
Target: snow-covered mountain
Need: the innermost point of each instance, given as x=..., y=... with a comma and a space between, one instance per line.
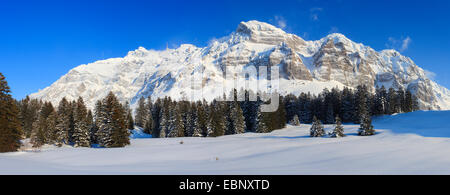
x=304, y=66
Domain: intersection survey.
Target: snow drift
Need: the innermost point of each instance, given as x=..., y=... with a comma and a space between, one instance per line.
x=398, y=148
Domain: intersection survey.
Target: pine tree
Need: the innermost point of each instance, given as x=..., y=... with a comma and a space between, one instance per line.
x=63, y=123
x=261, y=125
x=141, y=113
x=120, y=134
x=361, y=103
x=130, y=120
x=165, y=118
x=392, y=99
x=338, y=129
x=317, y=129
x=10, y=127
x=238, y=119
x=149, y=124
x=113, y=130
x=329, y=114
x=366, y=128
x=217, y=125
x=42, y=132
x=192, y=127
x=92, y=128
x=348, y=105
x=51, y=127
x=202, y=120
x=81, y=135
x=295, y=121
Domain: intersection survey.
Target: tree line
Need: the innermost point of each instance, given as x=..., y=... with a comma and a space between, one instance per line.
x=71, y=123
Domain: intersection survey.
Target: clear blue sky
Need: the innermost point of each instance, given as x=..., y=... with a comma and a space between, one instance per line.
x=42, y=40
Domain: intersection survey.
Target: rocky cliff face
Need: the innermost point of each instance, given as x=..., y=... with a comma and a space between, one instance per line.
x=305, y=66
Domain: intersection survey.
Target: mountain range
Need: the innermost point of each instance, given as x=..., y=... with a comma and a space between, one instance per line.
x=305, y=66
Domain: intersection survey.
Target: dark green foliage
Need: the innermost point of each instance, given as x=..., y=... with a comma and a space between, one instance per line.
x=338, y=129
x=317, y=129
x=81, y=135
x=10, y=126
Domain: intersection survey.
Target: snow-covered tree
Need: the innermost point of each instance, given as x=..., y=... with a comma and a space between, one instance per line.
x=81, y=136
x=141, y=113
x=338, y=129
x=261, y=124
x=366, y=128
x=317, y=129
x=63, y=123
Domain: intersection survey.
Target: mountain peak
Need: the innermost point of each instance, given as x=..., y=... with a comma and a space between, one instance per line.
x=306, y=66
x=254, y=26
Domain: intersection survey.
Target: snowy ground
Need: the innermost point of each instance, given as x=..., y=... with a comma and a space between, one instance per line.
x=414, y=143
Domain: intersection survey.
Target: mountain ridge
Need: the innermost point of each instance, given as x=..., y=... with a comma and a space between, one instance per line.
x=305, y=66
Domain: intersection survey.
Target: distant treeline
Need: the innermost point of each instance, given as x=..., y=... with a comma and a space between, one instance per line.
x=71, y=123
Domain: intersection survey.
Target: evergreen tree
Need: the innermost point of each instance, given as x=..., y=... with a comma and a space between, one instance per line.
x=361, y=103
x=141, y=113
x=261, y=124
x=81, y=135
x=120, y=134
x=92, y=128
x=130, y=120
x=113, y=130
x=149, y=124
x=10, y=126
x=392, y=102
x=338, y=129
x=202, y=120
x=366, y=128
x=329, y=115
x=237, y=116
x=317, y=129
x=216, y=126
x=165, y=118
x=63, y=123
x=43, y=128
x=193, y=127
x=348, y=105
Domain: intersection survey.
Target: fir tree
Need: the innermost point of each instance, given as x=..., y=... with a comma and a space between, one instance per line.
x=10, y=127
x=366, y=128
x=113, y=130
x=42, y=132
x=149, y=124
x=261, y=124
x=317, y=129
x=63, y=123
x=217, y=126
x=141, y=113
x=202, y=120
x=81, y=135
x=130, y=120
x=338, y=129
x=92, y=128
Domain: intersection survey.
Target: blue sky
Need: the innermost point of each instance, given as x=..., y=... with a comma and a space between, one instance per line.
x=42, y=40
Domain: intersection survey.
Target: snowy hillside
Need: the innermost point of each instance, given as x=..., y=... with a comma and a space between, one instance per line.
x=305, y=66
x=399, y=148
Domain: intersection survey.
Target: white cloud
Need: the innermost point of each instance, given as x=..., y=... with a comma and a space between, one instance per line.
x=333, y=30
x=314, y=13
x=280, y=21
x=401, y=44
x=430, y=75
x=405, y=44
